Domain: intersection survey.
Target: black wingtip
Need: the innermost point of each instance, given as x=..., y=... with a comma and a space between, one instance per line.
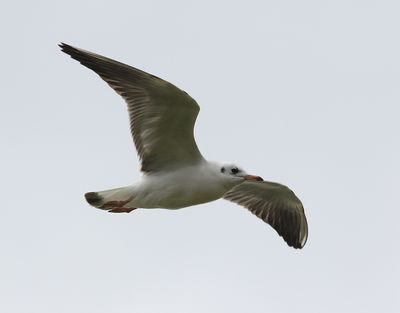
x=62, y=45
x=66, y=48
x=296, y=245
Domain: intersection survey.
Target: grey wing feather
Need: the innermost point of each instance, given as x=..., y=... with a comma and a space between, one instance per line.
x=162, y=116
x=275, y=204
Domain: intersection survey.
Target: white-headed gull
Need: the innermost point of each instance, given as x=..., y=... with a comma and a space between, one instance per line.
x=175, y=174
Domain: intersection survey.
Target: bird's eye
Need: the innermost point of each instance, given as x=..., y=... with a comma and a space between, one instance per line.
x=235, y=170
x=222, y=169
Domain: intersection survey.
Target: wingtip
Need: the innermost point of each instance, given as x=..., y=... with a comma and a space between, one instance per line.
x=68, y=49
x=294, y=245
x=298, y=244
x=62, y=45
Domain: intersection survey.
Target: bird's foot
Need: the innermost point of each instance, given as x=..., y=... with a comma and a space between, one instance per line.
x=121, y=210
x=117, y=207
x=113, y=204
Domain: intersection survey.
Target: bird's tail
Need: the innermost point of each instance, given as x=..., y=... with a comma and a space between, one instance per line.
x=113, y=200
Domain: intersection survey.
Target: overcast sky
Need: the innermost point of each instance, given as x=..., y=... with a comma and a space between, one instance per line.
x=305, y=93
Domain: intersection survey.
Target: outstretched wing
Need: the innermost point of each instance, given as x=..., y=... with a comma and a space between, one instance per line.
x=162, y=116
x=275, y=204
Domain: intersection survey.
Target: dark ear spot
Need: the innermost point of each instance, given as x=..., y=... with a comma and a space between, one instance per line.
x=222, y=169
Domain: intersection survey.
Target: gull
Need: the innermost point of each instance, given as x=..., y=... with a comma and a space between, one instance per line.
x=175, y=174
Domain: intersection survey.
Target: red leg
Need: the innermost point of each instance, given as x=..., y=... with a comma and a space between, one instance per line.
x=113, y=204
x=121, y=210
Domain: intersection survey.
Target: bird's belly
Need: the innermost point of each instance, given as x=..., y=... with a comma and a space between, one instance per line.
x=180, y=195
x=186, y=196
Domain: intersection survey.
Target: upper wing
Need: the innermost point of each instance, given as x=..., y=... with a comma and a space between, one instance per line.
x=275, y=204
x=161, y=115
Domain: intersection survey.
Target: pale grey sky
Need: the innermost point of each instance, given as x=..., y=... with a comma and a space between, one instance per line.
x=305, y=93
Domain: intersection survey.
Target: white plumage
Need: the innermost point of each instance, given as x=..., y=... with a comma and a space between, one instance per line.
x=175, y=174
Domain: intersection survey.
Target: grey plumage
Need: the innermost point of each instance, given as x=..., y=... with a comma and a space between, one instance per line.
x=176, y=175
x=162, y=116
x=276, y=205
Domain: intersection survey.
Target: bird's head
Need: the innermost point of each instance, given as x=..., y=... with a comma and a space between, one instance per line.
x=234, y=173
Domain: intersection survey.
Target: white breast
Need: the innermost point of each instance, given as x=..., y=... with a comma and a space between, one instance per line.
x=184, y=187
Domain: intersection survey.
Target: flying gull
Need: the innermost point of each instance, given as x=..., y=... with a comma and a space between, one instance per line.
x=175, y=174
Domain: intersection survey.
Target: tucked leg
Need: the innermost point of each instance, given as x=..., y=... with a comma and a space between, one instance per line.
x=121, y=210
